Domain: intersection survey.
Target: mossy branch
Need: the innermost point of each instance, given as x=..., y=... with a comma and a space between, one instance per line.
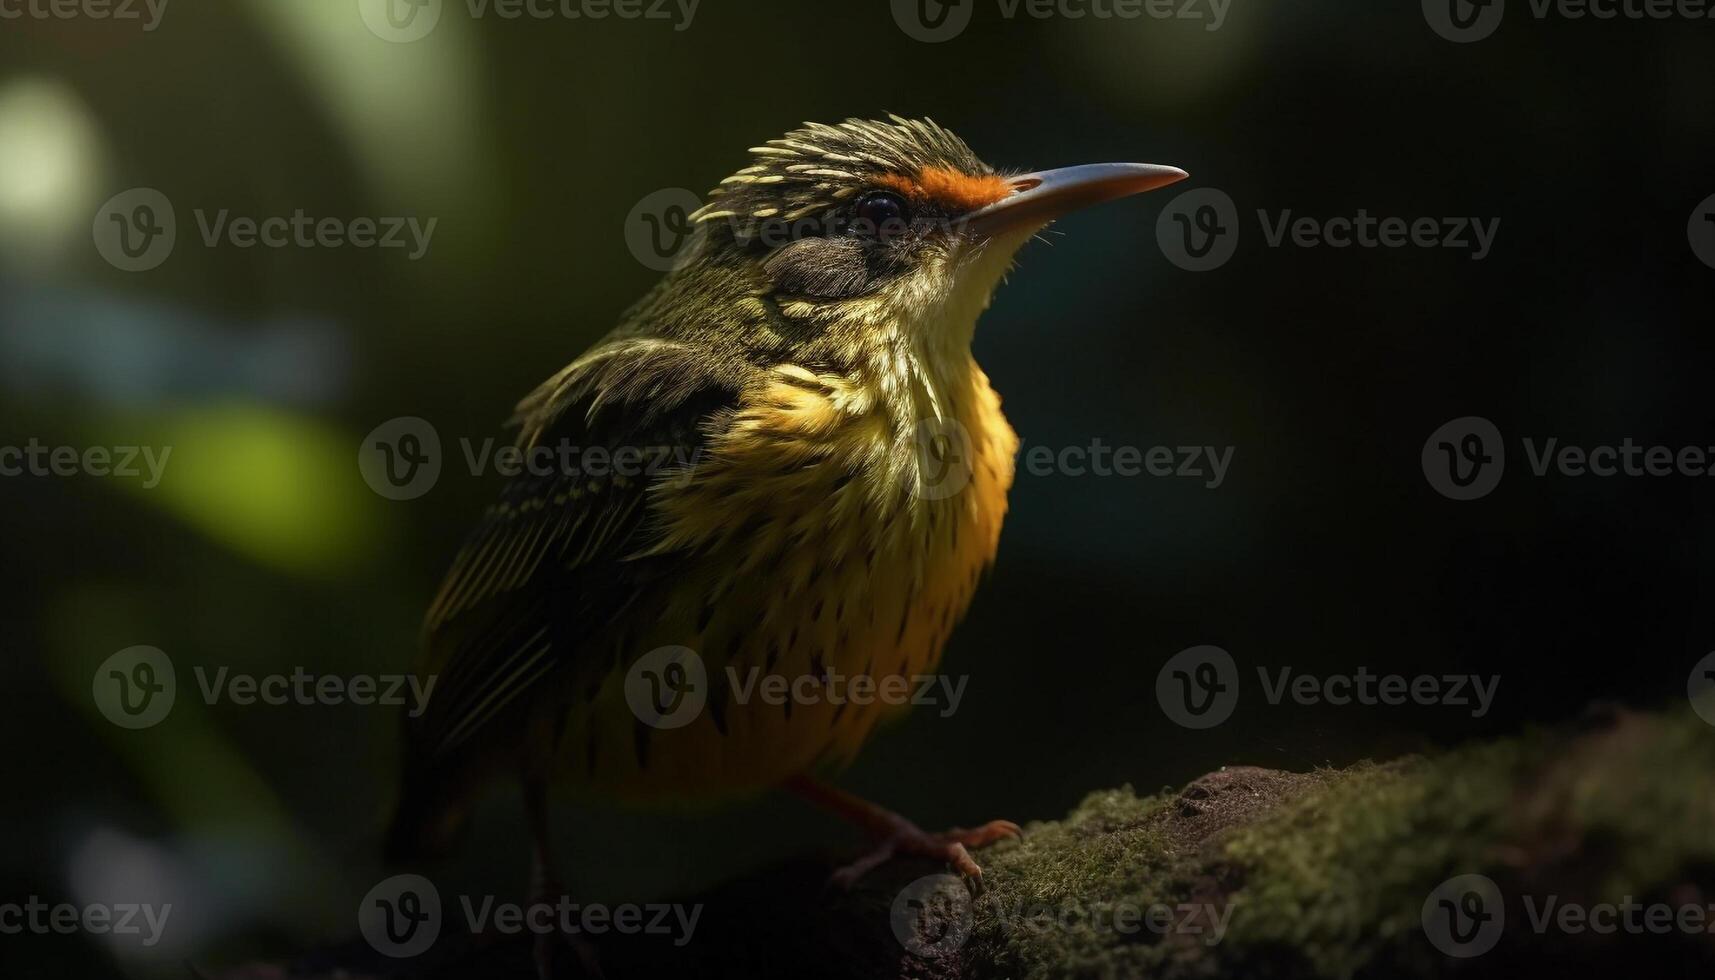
x=1253, y=872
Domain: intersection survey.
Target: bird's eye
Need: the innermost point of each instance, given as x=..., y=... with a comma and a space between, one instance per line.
x=883, y=215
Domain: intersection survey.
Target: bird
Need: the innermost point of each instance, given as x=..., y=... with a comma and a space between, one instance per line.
x=818, y=476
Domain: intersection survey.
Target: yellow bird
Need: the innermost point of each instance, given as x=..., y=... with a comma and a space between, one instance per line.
x=784, y=463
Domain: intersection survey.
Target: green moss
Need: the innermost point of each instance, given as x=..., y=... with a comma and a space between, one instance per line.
x=1344, y=870
x=1326, y=873
x=1646, y=799
x=1052, y=904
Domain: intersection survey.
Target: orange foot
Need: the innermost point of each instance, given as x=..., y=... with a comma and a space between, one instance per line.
x=896, y=836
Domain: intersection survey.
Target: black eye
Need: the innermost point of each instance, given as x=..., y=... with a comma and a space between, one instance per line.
x=883, y=215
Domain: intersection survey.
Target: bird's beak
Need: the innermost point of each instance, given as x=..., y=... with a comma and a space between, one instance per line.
x=1039, y=198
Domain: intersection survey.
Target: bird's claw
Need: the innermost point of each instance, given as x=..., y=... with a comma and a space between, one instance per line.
x=952, y=847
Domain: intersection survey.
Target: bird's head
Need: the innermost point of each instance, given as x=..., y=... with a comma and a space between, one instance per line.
x=892, y=226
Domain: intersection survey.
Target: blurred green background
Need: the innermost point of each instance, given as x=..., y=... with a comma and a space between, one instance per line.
x=529, y=142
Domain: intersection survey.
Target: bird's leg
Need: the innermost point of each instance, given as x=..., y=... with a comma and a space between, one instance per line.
x=896, y=836
x=545, y=890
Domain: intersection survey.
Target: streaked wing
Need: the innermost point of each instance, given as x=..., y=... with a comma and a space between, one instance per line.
x=550, y=561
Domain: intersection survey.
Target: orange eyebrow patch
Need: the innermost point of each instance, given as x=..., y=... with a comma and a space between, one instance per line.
x=949, y=188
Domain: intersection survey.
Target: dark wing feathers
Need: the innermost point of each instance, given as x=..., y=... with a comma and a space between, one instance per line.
x=550, y=562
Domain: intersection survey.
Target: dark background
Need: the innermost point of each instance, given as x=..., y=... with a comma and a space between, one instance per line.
x=530, y=141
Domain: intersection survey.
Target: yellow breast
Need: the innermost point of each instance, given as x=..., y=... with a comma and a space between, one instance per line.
x=837, y=527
